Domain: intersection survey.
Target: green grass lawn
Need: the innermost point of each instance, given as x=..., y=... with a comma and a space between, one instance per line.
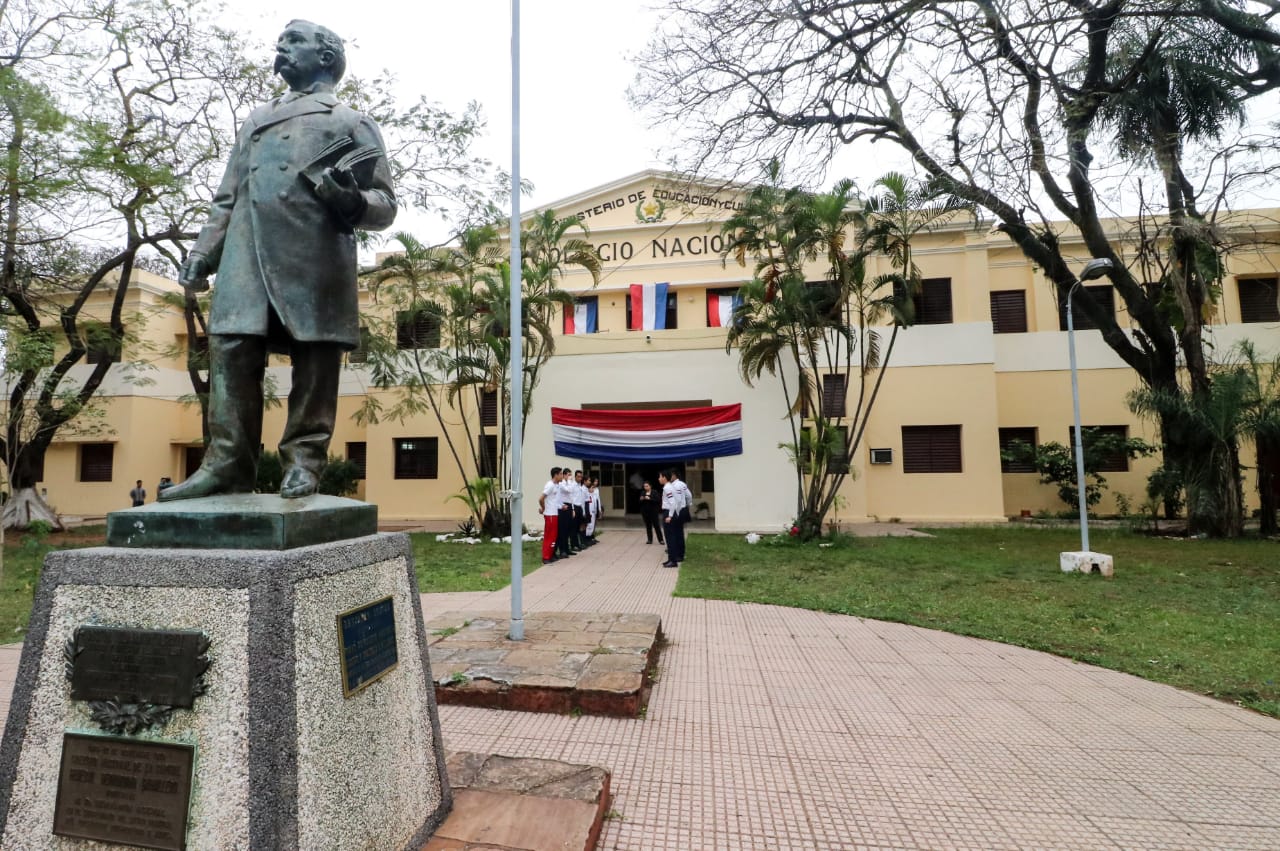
x=467, y=567
x=1200, y=615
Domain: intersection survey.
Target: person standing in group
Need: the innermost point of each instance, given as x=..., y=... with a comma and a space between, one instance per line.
x=578, y=539
x=593, y=509
x=672, y=502
x=684, y=507
x=650, y=507
x=564, y=539
x=138, y=495
x=549, y=508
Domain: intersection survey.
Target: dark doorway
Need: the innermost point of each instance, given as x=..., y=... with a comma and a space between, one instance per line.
x=193, y=458
x=637, y=474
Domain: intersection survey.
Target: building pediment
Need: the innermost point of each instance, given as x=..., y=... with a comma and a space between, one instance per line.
x=652, y=197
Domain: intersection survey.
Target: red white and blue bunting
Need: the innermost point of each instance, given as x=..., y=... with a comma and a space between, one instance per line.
x=675, y=434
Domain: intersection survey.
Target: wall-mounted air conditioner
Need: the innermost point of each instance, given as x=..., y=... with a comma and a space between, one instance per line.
x=881, y=456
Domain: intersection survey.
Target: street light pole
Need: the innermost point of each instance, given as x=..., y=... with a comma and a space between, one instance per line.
x=1093, y=269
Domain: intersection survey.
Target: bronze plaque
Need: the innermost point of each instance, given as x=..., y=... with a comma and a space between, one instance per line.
x=367, y=644
x=161, y=666
x=128, y=791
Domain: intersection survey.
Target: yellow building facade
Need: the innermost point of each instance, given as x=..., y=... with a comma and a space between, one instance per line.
x=990, y=365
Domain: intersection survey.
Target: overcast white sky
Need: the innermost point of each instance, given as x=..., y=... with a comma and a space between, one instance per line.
x=577, y=129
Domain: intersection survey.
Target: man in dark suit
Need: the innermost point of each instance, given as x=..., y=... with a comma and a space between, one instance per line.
x=305, y=173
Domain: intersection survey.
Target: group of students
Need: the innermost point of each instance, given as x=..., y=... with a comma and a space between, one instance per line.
x=570, y=507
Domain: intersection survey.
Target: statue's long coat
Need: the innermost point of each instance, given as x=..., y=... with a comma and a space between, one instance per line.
x=270, y=238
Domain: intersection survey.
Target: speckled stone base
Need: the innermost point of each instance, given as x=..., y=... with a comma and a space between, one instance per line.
x=284, y=762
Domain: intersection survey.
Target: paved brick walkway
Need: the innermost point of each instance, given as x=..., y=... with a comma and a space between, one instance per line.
x=774, y=728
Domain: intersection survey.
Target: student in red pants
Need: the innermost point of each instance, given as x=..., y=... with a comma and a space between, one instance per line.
x=549, y=508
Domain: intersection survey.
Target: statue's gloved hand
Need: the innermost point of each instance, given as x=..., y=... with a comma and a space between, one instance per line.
x=194, y=276
x=339, y=191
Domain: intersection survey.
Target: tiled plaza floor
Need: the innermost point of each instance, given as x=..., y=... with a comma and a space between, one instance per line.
x=774, y=728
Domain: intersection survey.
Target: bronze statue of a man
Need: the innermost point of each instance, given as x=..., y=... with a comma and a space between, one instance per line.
x=305, y=173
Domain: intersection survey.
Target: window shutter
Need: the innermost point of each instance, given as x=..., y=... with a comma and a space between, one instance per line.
x=358, y=454
x=931, y=449
x=488, y=407
x=833, y=396
x=1009, y=311
x=934, y=304
x=1104, y=294
x=1258, y=300
x=416, y=457
x=1011, y=436
x=96, y=461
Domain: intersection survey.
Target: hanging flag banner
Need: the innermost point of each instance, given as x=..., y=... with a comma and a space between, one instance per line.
x=648, y=307
x=581, y=319
x=720, y=308
x=674, y=434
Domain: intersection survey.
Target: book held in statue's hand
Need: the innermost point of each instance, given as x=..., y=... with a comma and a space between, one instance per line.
x=339, y=155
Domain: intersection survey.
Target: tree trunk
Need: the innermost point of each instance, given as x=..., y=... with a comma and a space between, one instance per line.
x=1268, y=456
x=26, y=506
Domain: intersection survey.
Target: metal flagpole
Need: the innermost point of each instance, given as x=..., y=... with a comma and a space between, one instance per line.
x=516, y=371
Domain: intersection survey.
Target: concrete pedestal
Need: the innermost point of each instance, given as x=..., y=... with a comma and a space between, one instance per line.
x=1086, y=562
x=284, y=759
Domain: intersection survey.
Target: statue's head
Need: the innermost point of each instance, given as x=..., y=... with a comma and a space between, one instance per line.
x=307, y=53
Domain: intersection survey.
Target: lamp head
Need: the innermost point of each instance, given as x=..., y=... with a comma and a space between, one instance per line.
x=1096, y=269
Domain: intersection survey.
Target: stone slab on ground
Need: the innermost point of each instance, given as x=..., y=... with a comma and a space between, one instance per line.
x=506, y=803
x=246, y=521
x=597, y=663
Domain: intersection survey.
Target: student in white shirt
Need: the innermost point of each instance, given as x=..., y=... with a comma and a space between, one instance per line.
x=672, y=518
x=579, y=511
x=549, y=508
x=564, y=545
x=593, y=509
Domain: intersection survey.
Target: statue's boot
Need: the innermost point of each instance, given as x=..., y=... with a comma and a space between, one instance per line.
x=201, y=483
x=298, y=482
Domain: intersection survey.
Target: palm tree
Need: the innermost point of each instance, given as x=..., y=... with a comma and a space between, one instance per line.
x=821, y=326
x=1261, y=422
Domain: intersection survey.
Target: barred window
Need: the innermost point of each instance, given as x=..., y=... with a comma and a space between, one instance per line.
x=416, y=457
x=487, y=456
x=488, y=407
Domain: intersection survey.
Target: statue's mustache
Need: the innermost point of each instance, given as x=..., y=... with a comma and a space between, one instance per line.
x=282, y=61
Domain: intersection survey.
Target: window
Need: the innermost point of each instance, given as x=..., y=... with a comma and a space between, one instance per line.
x=931, y=449
x=932, y=304
x=96, y=461
x=839, y=462
x=1103, y=294
x=488, y=407
x=487, y=456
x=416, y=457
x=358, y=454
x=1011, y=437
x=101, y=344
x=417, y=329
x=833, y=394
x=360, y=354
x=1009, y=311
x=1115, y=462
x=1258, y=300
x=671, y=309
x=708, y=481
